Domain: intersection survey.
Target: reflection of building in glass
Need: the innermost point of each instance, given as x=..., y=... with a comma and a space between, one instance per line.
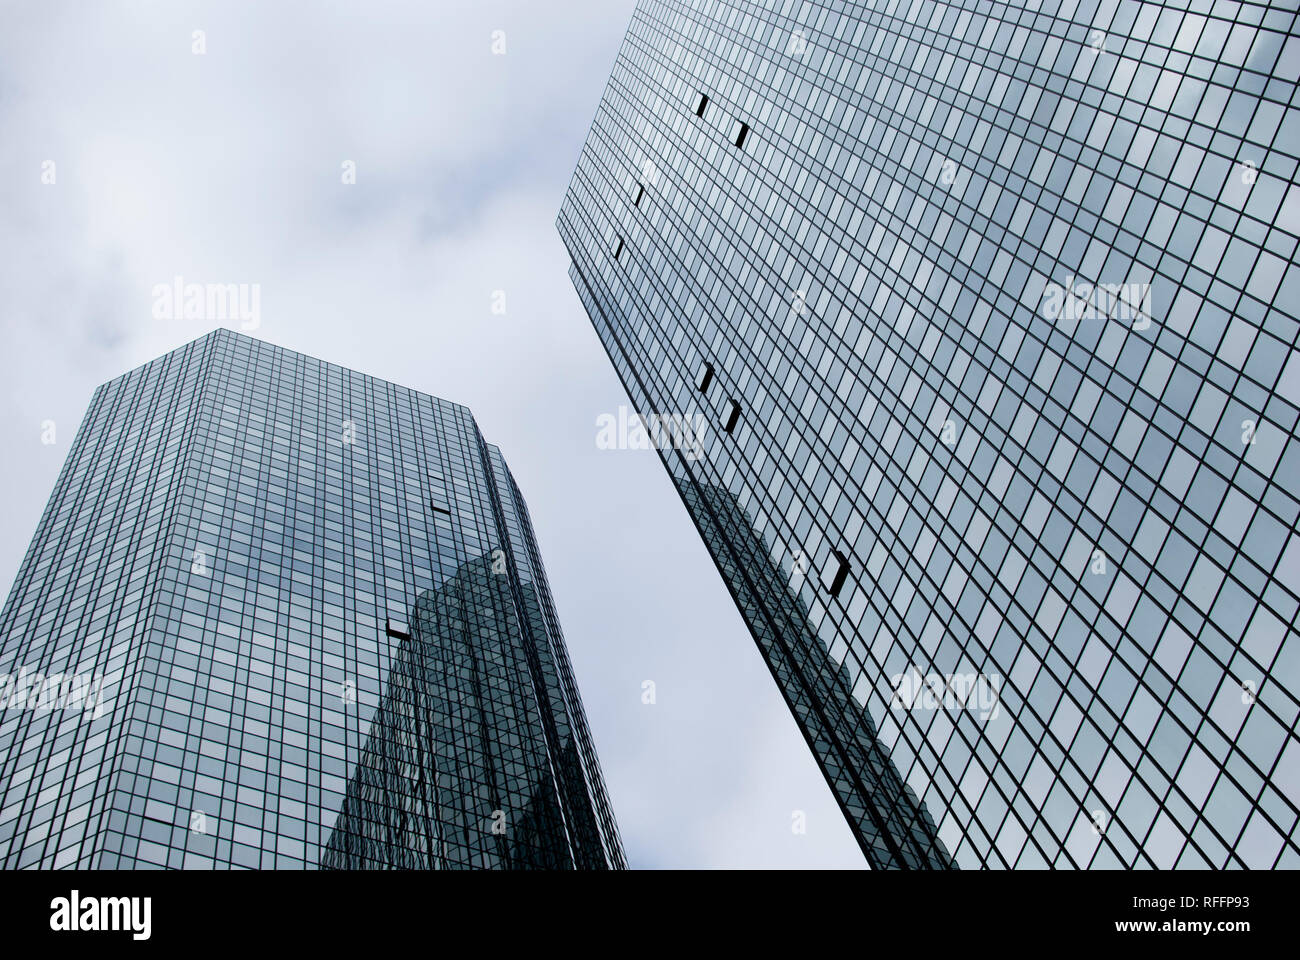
x=236, y=545
x=461, y=767
x=992, y=309
x=895, y=828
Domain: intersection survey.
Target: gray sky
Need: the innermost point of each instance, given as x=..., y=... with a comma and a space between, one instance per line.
x=226, y=167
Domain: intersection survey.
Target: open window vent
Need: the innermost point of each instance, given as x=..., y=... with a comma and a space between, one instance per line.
x=836, y=573
x=705, y=378
x=732, y=417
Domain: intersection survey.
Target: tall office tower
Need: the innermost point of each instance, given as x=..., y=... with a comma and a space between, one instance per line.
x=281, y=614
x=992, y=308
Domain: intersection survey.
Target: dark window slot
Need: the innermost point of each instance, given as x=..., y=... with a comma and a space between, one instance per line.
x=619, y=248
x=732, y=417
x=841, y=573
x=744, y=132
x=699, y=107
x=705, y=378
x=438, y=509
x=396, y=628
x=640, y=192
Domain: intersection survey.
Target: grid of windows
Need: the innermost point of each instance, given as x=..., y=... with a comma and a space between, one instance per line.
x=1006, y=297
x=323, y=630
x=894, y=825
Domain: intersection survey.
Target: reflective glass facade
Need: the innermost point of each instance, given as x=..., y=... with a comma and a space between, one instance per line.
x=884, y=810
x=993, y=309
x=316, y=613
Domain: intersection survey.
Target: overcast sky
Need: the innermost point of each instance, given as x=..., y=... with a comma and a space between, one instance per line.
x=226, y=167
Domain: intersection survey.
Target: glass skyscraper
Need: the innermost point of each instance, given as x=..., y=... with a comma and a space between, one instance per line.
x=278, y=613
x=993, y=310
